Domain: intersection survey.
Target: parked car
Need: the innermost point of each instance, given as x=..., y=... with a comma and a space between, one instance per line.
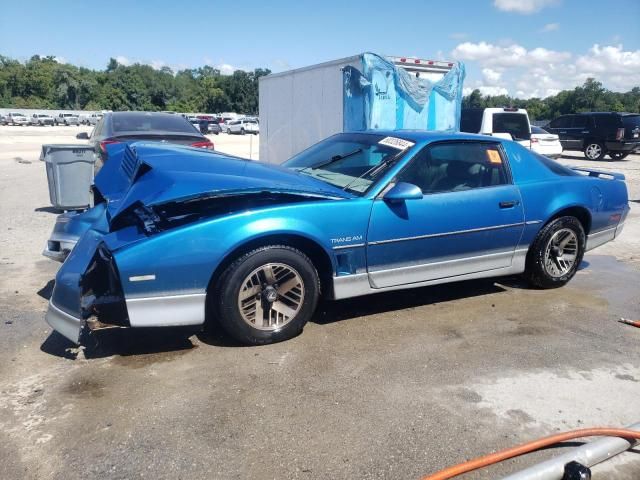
x=243, y=126
x=15, y=118
x=184, y=235
x=224, y=123
x=545, y=143
x=508, y=122
x=91, y=119
x=3, y=119
x=122, y=127
x=599, y=133
x=214, y=127
x=67, y=119
x=41, y=119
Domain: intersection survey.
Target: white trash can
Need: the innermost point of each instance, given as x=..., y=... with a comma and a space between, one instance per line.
x=69, y=174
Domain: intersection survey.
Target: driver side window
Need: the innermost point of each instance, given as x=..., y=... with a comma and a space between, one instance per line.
x=454, y=167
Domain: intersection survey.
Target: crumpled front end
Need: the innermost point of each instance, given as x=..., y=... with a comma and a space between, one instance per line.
x=87, y=291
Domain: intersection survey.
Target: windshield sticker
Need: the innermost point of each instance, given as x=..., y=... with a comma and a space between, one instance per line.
x=398, y=143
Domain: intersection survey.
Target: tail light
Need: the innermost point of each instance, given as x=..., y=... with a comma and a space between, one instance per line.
x=104, y=143
x=534, y=140
x=203, y=144
x=620, y=134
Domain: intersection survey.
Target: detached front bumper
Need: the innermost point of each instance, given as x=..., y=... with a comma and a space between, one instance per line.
x=58, y=247
x=65, y=324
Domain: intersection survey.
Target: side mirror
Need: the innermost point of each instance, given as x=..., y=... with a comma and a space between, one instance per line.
x=82, y=136
x=403, y=191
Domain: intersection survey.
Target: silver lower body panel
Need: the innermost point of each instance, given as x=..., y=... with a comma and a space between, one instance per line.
x=167, y=311
x=596, y=239
x=348, y=286
x=63, y=323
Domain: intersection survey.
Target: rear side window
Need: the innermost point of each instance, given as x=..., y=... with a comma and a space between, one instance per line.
x=471, y=120
x=580, y=121
x=454, y=167
x=555, y=167
x=631, y=121
x=560, y=122
x=514, y=123
x=608, y=121
x=145, y=122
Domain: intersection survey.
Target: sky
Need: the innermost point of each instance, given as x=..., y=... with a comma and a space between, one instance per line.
x=523, y=48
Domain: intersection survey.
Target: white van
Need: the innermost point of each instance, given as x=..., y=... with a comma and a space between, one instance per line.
x=508, y=122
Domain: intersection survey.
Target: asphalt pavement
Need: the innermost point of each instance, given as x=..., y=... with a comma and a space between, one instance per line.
x=394, y=385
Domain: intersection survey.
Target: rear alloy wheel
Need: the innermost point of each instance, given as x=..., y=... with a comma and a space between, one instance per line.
x=267, y=295
x=618, y=155
x=556, y=253
x=594, y=151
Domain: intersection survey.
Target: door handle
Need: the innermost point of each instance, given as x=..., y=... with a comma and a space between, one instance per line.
x=563, y=132
x=509, y=204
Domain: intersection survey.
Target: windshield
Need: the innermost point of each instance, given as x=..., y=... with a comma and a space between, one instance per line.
x=514, y=123
x=350, y=161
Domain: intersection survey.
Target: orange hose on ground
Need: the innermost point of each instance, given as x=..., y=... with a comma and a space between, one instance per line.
x=529, y=447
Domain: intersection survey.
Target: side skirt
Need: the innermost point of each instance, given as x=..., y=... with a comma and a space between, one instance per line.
x=596, y=239
x=167, y=311
x=348, y=286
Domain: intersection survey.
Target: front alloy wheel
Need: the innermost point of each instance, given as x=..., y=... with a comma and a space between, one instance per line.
x=271, y=296
x=266, y=295
x=594, y=151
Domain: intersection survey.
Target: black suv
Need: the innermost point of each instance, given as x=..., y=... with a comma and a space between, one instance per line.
x=598, y=133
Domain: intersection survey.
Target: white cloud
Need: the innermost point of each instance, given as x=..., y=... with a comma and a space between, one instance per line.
x=493, y=90
x=122, y=60
x=506, y=56
x=540, y=72
x=551, y=27
x=490, y=75
x=524, y=7
x=226, y=69
x=60, y=59
x=158, y=64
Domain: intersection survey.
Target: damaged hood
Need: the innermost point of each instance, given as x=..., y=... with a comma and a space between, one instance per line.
x=152, y=174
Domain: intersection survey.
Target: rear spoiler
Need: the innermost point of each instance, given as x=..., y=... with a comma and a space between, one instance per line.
x=599, y=173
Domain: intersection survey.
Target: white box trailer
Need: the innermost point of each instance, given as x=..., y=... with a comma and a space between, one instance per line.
x=303, y=106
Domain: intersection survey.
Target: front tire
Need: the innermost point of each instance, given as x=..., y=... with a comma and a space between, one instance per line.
x=556, y=253
x=594, y=151
x=266, y=295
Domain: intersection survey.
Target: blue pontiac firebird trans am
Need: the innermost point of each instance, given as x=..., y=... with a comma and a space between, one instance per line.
x=179, y=236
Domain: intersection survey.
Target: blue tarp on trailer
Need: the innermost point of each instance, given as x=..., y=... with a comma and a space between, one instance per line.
x=383, y=96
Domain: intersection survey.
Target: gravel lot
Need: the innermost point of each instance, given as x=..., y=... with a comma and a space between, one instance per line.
x=389, y=386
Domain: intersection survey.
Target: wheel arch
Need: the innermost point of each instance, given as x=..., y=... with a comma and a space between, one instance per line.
x=318, y=255
x=578, y=211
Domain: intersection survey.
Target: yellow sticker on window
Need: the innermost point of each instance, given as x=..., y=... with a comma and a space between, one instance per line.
x=494, y=156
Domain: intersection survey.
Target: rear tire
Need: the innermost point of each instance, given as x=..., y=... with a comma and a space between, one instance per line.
x=242, y=132
x=618, y=155
x=556, y=253
x=594, y=151
x=266, y=295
